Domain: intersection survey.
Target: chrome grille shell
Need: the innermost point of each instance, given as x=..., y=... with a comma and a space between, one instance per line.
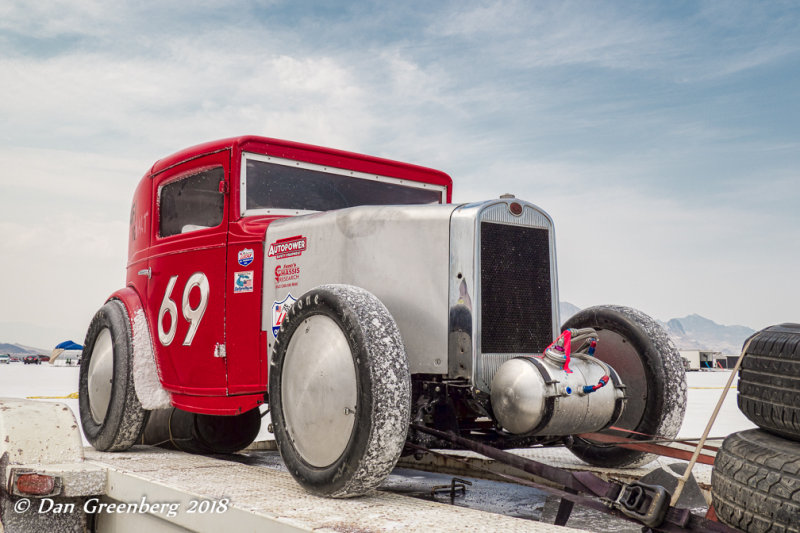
x=467, y=326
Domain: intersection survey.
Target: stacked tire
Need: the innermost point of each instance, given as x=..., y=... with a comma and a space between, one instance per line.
x=755, y=484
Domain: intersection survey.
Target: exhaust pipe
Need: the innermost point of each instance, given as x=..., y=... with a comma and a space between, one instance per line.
x=202, y=434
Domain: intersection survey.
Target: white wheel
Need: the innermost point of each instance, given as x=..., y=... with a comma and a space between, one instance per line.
x=340, y=391
x=320, y=390
x=101, y=375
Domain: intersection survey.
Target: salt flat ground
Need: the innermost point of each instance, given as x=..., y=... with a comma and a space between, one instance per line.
x=18, y=380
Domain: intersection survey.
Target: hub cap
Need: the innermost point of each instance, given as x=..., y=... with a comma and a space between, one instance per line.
x=101, y=375
x=319, y=391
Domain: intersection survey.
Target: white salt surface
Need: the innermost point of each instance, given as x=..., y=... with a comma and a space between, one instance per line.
x=705, y=389
x=18, y=380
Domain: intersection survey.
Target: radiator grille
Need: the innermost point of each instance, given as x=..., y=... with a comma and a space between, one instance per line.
x=516, y=300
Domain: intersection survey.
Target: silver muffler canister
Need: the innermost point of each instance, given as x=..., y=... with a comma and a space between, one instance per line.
x=536, y=396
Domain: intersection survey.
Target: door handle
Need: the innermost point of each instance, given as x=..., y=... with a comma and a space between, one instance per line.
x=146, y=272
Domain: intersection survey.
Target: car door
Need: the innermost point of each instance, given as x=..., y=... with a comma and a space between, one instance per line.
x=186, y=290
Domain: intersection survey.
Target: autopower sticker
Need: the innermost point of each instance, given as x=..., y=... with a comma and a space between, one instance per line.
x=286, y=275
x=279, y=310
x=246, y=256
x=243, y=282
x=288, y=247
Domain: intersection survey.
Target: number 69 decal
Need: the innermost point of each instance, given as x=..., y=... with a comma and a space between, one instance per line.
x=193, y=314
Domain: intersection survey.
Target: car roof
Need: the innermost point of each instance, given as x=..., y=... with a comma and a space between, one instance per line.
x=200, y=150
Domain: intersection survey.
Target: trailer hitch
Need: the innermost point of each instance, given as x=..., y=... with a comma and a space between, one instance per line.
x=646, y=503
x=636, y=501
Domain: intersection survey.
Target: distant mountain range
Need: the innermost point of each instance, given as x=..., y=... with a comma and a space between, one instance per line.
x=26, y=335
x=18, y=349
x=695, y=332
x=692, y=332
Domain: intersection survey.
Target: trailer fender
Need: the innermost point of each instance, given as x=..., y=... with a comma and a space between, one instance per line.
x=36, y=470
x=146, y=377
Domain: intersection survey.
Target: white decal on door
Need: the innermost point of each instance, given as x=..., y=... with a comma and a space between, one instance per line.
x=195, y=314
x=168, y=306
x=192, y=314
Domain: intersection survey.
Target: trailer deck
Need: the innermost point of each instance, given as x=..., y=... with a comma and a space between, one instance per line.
x=258, y=498
x=258, y=492
x=56, y=484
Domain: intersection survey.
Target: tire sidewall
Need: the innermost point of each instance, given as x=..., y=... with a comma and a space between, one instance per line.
x=334, y=477
x=124, y=410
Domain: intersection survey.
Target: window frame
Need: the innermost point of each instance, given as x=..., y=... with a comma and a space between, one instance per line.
x=184, y=176
x=244, y=212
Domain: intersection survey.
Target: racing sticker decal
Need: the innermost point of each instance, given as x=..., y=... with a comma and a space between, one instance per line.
x=279, y=310
x=288, y=247
x=243, y=282
x=246, y=256
x=286, y=275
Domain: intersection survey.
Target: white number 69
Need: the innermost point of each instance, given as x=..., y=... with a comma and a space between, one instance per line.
x=192, y=314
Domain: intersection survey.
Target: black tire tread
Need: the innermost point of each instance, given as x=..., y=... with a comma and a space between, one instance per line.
x=755, y=484
x=769, y=381
x=126, y=418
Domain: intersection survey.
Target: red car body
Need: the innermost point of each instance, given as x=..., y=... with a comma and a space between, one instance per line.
x=208, y=342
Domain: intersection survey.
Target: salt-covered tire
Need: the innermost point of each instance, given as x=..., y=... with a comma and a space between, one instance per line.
x=769, y=380
x=650, y=367
x=340, y=391
x=111, y=415
x=756, y=482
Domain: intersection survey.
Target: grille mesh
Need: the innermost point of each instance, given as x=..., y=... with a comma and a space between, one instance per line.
x=516, y=303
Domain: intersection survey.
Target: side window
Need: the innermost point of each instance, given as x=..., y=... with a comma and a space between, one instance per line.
x=191, y=203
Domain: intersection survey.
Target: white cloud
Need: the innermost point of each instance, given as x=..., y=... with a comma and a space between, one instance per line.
x=623, y=36
x=58, y=269
x=672, y=259
x=546, y=34
x=507, y=97
x=70, y=178
x=56, y=17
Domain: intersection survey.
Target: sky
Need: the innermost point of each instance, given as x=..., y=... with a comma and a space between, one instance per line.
x=662, y=137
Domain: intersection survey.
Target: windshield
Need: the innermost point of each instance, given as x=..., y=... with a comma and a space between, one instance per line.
x=274, y=185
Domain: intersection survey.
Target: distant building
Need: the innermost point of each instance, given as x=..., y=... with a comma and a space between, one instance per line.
x=704, y=359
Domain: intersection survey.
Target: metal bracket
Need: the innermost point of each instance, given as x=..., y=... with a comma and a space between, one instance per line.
x=646, y=503
x=456, y=485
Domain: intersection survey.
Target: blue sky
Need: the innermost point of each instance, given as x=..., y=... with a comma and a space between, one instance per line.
x=663, y=137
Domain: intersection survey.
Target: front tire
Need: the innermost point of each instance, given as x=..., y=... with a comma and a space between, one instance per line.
x=650, y=367
x=340, y=391
x=111, y=415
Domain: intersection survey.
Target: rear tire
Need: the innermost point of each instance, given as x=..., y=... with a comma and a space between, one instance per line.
x=340, y=391
x=111, y=415
x=650, y=367
x=755, y=477
x=769, y=381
